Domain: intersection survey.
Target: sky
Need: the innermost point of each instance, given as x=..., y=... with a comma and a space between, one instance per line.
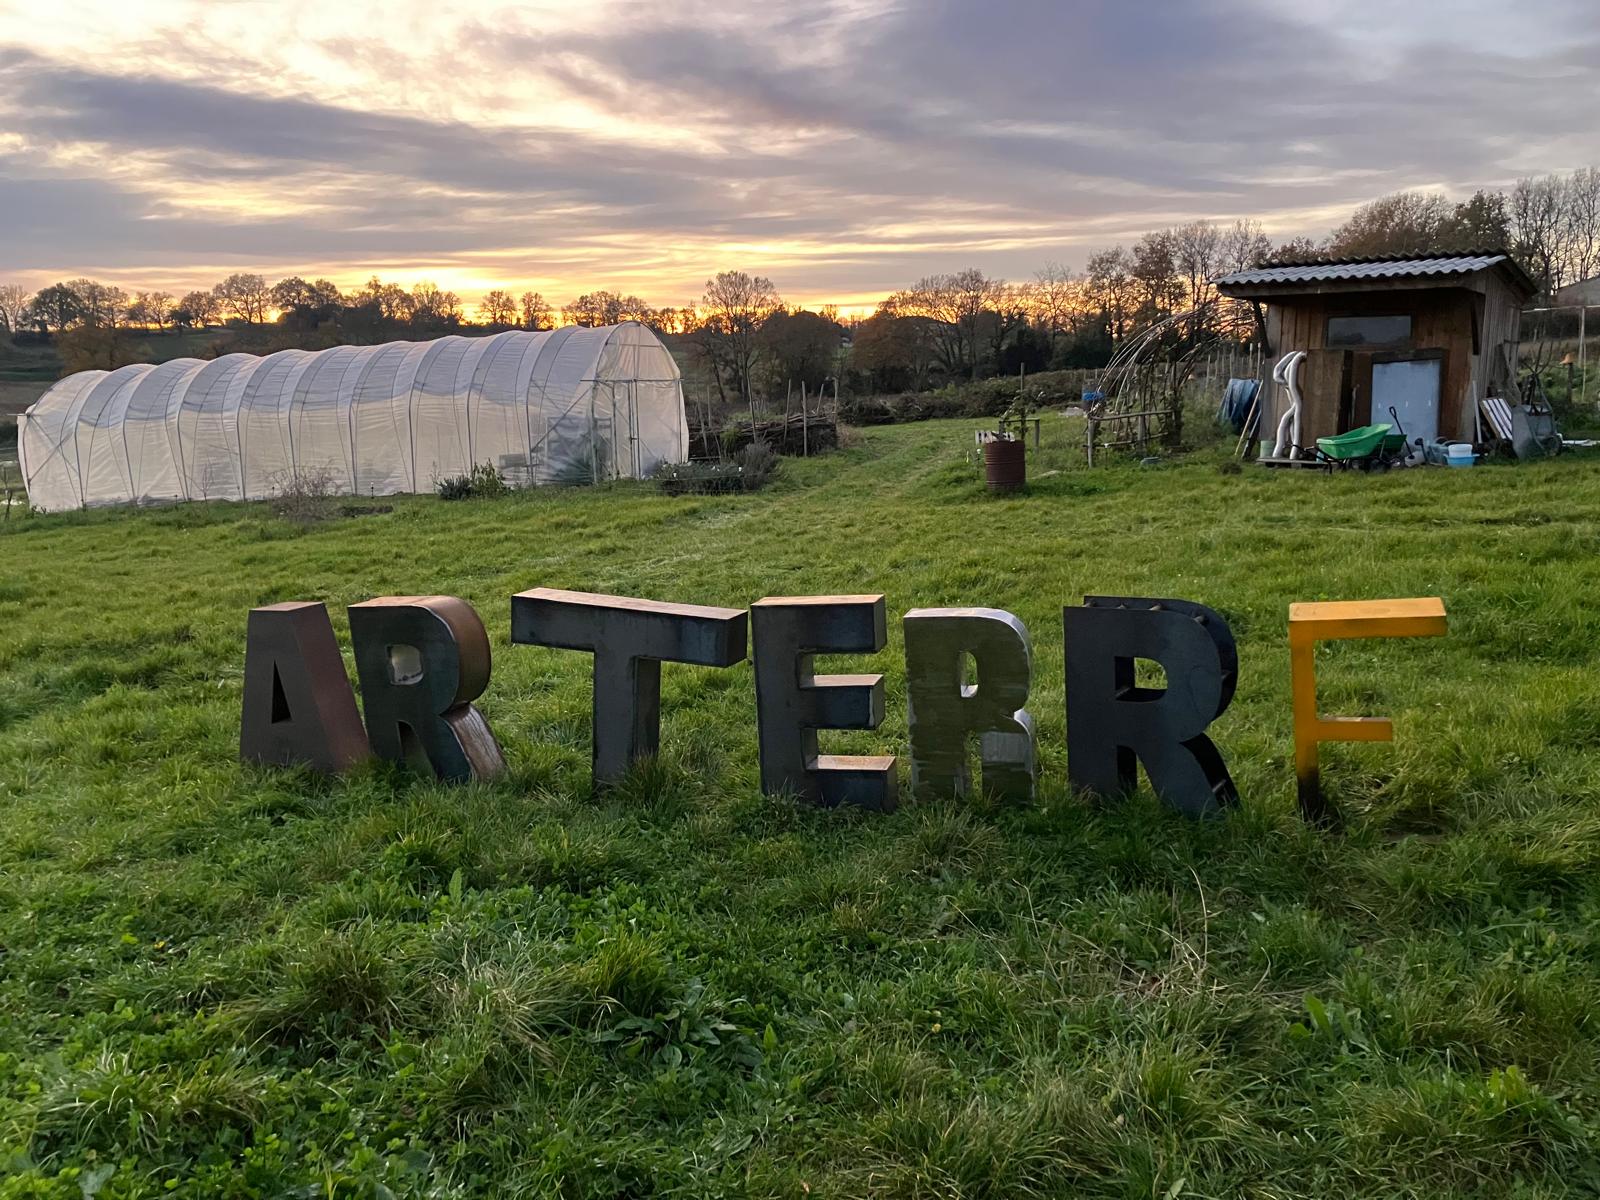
x=843, y=148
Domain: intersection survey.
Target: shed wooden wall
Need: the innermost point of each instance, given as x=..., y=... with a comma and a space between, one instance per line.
x=1468, y=324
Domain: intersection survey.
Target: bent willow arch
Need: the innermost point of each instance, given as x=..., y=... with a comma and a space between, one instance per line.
x=569, y=405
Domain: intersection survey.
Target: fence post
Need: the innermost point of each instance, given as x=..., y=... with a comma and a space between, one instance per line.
x=805, y=424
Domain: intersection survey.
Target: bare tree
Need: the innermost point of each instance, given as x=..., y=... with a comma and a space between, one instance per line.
x=954, y=304
x=497, y=308
x=432, y=307
x=1196, y=254
x=244, y=296
x=1154, y=273
x=1006, y=310
x=1054, y=296
x=13, y=307
x=674, y=320
x=734, y=308
x=536, y=312
x=1538, y=209
x=1243, y=245
x=1110, y=288
x=199, y=309
x=1583, y=223
x=606, y=308
x=150, y=309
x=104, y=305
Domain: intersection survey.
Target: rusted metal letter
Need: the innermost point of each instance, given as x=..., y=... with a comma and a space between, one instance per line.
x=944, y=711
x=298, y=704
x=1113, y=724
x=629, y=639
x=792, y=702
x=422, y=661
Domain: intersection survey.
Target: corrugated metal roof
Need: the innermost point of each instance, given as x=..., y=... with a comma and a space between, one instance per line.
x=1331, y=272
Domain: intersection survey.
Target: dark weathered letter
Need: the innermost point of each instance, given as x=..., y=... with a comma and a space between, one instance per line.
x=298, y=705
x=1111, y=721
x=942, y=711
x=629, y=639
x=422, y=661
x=792, y=702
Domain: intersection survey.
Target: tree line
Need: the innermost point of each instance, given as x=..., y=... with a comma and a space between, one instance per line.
x=739, y=324
x=297, y=303
x=965, y=324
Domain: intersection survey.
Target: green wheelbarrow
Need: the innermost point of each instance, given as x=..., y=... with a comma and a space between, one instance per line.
x=1370, y=448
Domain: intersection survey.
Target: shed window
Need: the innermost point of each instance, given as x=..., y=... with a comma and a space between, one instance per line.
x=1358, y=332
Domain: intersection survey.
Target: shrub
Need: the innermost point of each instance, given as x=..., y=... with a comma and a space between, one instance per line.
x=483, y=481
x=488, y=483
x=304, y=496
x=454, y=487
x=750, y=471
x=758, y=463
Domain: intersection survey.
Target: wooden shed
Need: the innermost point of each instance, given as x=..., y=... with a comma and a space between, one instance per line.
x=1426, y=336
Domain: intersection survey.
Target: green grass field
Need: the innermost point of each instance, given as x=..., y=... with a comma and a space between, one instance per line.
x=228, y=981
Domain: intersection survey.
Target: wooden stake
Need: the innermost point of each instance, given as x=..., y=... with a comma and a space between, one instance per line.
x=805, y=424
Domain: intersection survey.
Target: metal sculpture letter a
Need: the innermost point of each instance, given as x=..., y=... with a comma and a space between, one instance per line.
x=298, y=706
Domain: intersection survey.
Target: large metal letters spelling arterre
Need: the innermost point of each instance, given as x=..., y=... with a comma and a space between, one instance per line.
x=422, y=660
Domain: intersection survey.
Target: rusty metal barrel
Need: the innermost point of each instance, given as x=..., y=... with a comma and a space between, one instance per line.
x=1005, y=464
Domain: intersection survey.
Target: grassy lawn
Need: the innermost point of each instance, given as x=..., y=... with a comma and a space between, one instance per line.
x=225, y=981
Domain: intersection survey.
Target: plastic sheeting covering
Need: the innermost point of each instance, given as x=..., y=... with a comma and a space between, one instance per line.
x=568, y=405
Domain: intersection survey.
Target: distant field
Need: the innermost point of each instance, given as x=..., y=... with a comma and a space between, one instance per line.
x=221, y=981
x=14, y=397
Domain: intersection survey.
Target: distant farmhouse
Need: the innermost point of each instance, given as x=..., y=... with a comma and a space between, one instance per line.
x=1586, y=291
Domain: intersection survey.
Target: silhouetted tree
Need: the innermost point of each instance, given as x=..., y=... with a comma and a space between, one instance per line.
x=245, y=297
x=536, y=312
x=734, y=308
x=497, y=308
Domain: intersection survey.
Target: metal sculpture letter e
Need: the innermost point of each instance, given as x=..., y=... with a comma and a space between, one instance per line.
x=793, y=702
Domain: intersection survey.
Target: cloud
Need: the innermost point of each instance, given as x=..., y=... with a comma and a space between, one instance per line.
x=842, y=147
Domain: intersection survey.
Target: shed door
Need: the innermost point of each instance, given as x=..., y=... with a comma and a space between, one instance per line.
x=1411, y=388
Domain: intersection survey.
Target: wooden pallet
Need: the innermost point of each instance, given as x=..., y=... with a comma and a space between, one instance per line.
x=1269, y=461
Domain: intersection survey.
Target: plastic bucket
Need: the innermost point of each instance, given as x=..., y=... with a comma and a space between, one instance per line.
x=1005, y=465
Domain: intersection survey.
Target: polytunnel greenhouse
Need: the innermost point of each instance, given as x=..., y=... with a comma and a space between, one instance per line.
x=568, y=405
